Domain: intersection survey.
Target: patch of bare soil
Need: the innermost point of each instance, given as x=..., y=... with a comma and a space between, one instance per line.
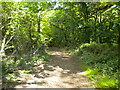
x=61, y=71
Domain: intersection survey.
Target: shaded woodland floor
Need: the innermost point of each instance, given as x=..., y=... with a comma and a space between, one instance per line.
x=61, y=71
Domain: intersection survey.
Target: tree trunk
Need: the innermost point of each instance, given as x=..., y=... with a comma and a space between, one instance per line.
x=39, y=21
x=94, y=32
x=2, y=51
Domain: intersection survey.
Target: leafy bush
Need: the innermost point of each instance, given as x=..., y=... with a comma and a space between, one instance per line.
x=102, y=59
x=23, y=63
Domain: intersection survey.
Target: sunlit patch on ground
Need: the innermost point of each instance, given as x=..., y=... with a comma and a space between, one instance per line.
x=81, y=73
x=61, y=71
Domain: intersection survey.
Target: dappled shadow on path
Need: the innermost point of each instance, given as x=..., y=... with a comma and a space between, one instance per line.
x=61, y=71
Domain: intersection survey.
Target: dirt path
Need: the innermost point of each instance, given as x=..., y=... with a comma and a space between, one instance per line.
x=61, y=71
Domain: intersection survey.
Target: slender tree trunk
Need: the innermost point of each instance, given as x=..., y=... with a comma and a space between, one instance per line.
x=31, y=41
x=100, y=38
x=39, y=21
x=94, y=32
x=39, y=37
x=2, y=51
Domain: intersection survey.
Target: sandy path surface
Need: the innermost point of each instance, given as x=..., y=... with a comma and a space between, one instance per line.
x=61, y=71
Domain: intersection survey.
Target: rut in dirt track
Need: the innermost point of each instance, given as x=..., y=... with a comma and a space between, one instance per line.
x=61, y=71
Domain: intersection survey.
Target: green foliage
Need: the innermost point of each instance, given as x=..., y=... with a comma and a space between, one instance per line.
x=10, y=67
x=102, y=81
x=29, y=27
x=102, y=61
x=107, y=82
x=26, y=72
